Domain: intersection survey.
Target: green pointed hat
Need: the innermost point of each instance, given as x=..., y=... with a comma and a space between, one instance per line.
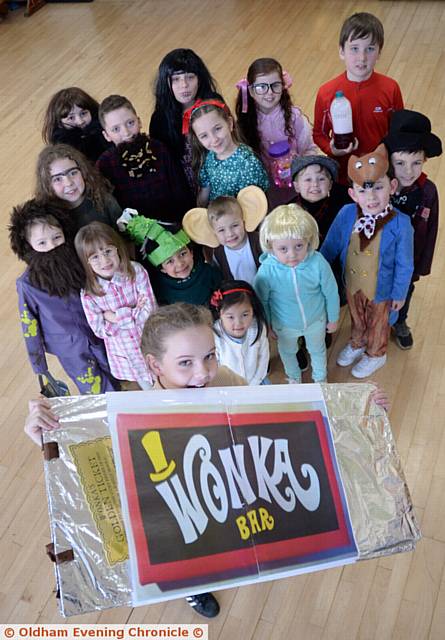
x=141, y=230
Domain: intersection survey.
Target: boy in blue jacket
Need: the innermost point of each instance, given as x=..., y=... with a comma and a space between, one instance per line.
x=375, y=245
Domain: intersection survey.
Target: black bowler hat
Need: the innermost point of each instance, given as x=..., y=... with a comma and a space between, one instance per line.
x=411, y=131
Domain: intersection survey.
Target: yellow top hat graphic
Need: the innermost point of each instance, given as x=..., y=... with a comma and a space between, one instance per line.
x=155, y=451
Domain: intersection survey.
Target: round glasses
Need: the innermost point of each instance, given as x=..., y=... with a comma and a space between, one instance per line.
x=262, y=88
x=109, y=252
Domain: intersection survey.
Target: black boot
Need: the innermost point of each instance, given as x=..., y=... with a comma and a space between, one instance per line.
x=205, y=604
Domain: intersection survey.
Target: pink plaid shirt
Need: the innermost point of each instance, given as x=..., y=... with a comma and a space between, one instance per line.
x=132, y=301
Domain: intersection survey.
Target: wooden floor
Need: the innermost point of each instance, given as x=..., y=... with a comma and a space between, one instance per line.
x=114, y=46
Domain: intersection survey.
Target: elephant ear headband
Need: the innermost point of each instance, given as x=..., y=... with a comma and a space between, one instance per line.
x=253, y=203
x=367, y=169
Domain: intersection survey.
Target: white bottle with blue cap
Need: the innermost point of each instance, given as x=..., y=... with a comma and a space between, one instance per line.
x=341, y=118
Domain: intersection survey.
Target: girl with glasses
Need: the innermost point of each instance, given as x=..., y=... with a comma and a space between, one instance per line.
x=117, y=300
x=265, y=112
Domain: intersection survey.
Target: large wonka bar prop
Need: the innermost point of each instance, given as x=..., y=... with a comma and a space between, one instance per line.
x=206, y=489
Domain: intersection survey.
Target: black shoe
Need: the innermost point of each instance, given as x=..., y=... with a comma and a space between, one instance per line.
x=205, y=604
x=328, y=340
x=302, y=359
x=403, y=335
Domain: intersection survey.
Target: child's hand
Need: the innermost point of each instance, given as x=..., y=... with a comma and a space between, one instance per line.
x=110, y=316
x=126, y=215
x=203, y=197
x=40, y=418
x=332, y=327
x=380, y=397
x=271, y=333
x=141, y=302
x=343, y=152
x=396, y=305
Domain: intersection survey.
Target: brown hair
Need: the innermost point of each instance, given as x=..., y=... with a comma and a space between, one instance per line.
x=87, y=241
x=96, y=186
x=362, y=25
x=60, y=106
x=163, y=323
x=47, y=221
x=221, y=206
x=248, y=122
x=198, y=151
x=111, y=103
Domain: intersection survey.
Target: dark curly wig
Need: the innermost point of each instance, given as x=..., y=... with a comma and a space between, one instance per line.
x=35, y=211
x=58, y=272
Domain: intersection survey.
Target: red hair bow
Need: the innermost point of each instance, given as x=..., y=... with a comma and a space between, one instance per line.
x=216, y=298
x=218, y=295
x=199, y=103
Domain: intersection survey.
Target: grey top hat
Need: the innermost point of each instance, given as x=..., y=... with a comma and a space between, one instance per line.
x=302, y=162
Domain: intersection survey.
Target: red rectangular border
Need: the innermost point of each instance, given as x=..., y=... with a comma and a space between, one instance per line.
x=227, y=561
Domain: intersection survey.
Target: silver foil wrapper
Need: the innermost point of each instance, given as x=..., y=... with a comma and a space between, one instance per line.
x=379, y=501
x=88, y=582
x=380, y=506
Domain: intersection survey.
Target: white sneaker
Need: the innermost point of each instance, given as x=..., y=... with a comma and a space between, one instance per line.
x=348, y=355
x=367, y=365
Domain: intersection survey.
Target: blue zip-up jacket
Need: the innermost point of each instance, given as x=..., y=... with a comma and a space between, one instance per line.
x=296, y=297
x=396, y=259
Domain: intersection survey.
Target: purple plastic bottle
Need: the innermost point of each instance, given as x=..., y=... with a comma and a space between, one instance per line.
x=279, y=152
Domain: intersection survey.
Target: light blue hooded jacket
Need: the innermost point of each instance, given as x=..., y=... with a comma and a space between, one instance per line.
x=296, y=297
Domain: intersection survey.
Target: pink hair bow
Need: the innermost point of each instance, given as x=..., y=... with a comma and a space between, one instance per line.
x=287, y=79
x=199, y=103
x=243, y=85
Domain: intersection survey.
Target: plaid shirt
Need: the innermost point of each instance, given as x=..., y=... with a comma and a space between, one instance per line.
x=161, y=194
x=122, y=339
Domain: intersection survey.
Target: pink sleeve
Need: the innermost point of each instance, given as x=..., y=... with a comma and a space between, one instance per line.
x=95, y=317
x=144, y=290
x=303, y=144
